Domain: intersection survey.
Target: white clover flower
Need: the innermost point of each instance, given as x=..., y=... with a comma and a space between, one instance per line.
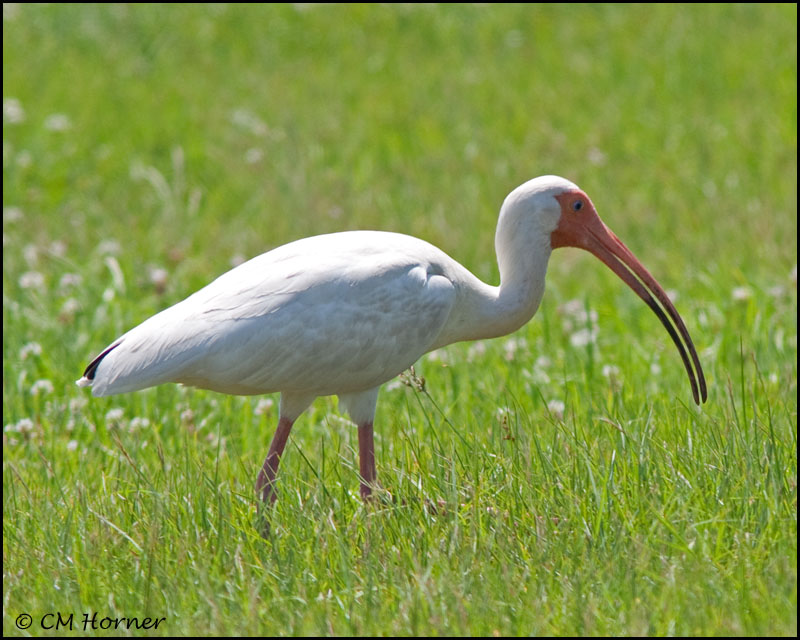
x=13, y=113
x=264, y=406
x=557, y=408
x=571, y=307
x=69, y=308
x=12, y=214
x=23, y=426
x=57, y=122
x=158, y=276
x=77, y=403
x=742, y=293
x=69, y=280
x=57, y=248
x=512, y=345
x=438, y=355
x=30, y=349
x=655, y=369
x=583, y=337
x=672, y=294
x=114, y=415
x=476, y=350
x=31, y=280
x=138, y=423
x=610, y=371
x=41, y=387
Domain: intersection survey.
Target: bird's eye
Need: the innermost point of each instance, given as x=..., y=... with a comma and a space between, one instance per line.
x=577, y=205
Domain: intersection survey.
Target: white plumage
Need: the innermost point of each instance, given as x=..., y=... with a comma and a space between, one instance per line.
x=345, y=312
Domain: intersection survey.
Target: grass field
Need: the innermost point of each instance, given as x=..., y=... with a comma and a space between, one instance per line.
x=578, y=490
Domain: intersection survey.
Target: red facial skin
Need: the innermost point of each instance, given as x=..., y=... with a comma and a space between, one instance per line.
x=580, y=226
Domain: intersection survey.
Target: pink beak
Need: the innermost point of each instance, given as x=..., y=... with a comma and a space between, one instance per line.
x=580, y=226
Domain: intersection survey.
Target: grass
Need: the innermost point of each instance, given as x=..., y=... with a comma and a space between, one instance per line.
x=542, y=484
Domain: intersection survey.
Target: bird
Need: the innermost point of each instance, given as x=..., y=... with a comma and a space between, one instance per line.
x=343, y=313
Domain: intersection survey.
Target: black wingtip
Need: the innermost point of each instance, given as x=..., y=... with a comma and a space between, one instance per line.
x=91, y=370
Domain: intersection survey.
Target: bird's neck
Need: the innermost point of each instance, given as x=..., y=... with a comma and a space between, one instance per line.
x=522, y=275
x=487, y=311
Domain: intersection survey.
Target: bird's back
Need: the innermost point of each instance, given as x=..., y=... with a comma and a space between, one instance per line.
x=337, y=313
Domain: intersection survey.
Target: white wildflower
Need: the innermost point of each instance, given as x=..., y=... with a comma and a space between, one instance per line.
x=69, y=280
x=742, y=293
x=438, y=355
x=23, y=426
x=114, y=415
x=57, y=122
x=476, y=350
x=13, y=113
x=138, y=423
x=69, y=309
x=610, y=371
x=655, y=369
x=158, y=277
x=583, y=337
x=41, y=387
x=31, y=280
x=72, y=445
x=58, y=248
x=672, y=294
x=12, y=214
x=512, y=345
x=571, y=307
x=30, y=349
x=557, y=408
x=264, y=406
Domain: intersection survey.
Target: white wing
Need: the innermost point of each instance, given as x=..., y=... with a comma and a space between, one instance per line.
x=338, y=313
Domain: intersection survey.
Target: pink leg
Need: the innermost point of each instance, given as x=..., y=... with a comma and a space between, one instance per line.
x=366, y=456
x=265, y=484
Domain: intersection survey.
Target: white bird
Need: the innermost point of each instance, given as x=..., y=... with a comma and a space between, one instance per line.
x=345, y=312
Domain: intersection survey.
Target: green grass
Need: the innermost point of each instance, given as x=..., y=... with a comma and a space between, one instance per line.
x=539, y=486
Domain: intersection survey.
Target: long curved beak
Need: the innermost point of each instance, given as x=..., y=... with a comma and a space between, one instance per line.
x=584, y=229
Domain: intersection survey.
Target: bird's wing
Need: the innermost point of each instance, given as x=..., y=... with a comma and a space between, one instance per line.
x=330, y=314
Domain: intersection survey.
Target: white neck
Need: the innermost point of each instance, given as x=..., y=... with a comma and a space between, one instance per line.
x=486, y=311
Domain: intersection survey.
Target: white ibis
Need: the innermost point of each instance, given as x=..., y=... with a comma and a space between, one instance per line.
x=345, y=312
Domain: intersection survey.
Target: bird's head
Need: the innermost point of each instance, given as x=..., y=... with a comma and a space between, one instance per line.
x=565, y=214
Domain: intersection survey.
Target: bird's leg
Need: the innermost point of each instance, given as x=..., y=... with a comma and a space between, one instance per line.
x=265, y=484
x=366, y=458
